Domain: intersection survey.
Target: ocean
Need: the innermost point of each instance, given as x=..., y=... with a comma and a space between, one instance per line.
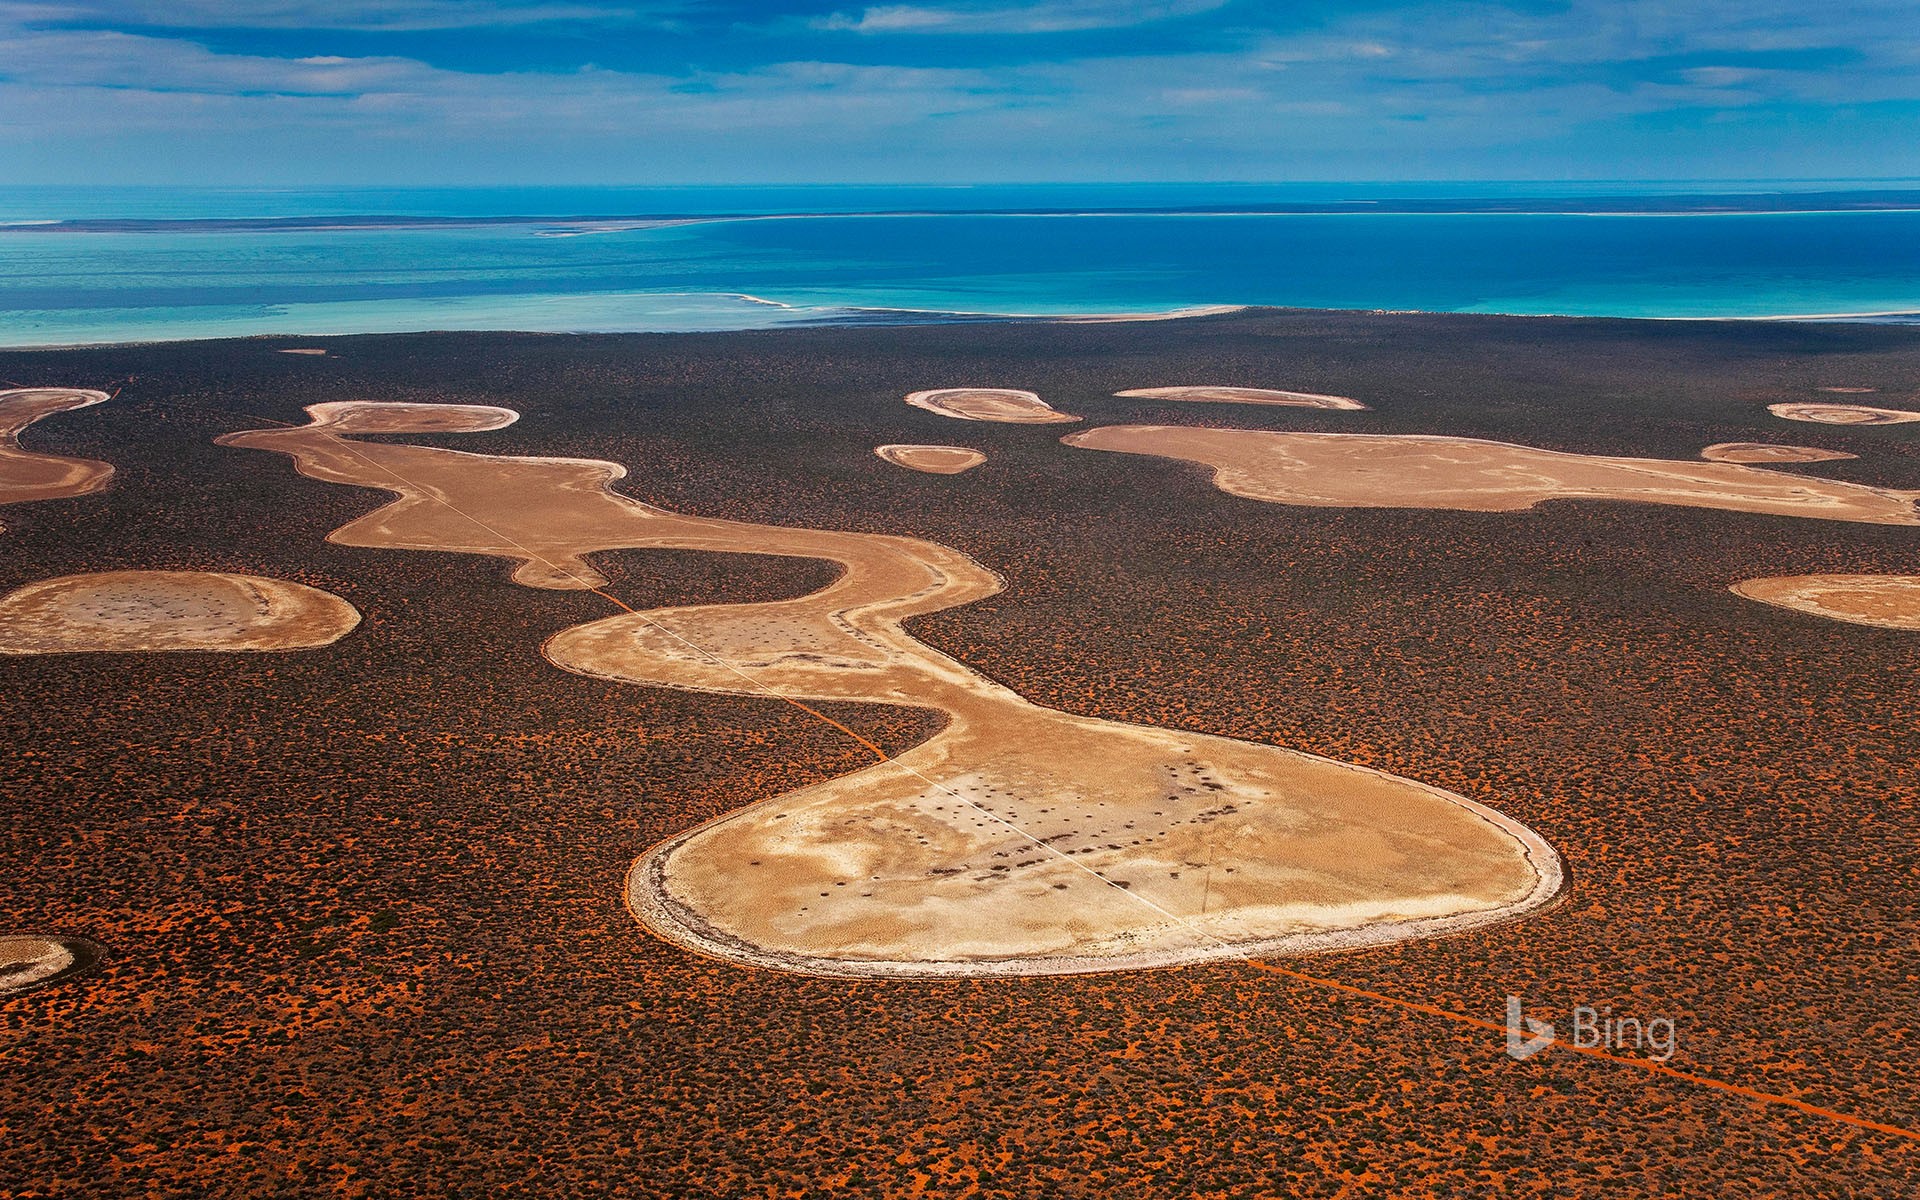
x=82, y=266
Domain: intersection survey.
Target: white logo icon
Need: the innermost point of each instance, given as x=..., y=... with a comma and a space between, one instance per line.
x=1519, y=1026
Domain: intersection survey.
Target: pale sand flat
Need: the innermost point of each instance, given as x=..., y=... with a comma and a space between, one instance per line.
x=31, y=960
x=1885, y=601
x=25, y=475
x=1358, y=470
x=170, y=610
x=1247, y=395
x=1019, y=839
x=305, y=350
x=1767, y=452
x=1005, y=406
x=934, y=460
x=1843, y=414
x=27, y=960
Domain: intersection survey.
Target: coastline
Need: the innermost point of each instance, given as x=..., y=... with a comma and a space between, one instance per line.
x=1598, y=204
x=853, y=317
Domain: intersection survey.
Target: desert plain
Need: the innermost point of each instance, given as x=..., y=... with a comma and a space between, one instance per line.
x=374, y=913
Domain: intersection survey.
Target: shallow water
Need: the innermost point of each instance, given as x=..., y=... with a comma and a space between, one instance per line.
x=165, y=272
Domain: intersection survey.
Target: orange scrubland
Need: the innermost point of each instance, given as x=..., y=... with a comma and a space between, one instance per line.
x=362, y=908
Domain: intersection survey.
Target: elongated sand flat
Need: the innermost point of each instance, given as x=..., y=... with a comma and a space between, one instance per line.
x=1843, y=414
x=1248, y=395
x=934, y=460
x=170, y=610
x=1355, y=470
x=25, y=475
x=1762, y=453
x=1020, y=839
x=1005, y=406
x=1885, y=601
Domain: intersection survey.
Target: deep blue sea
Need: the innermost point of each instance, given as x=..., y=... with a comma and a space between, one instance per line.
x=110, y=265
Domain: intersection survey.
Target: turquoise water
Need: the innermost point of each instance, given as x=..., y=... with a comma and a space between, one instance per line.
x=147, y=265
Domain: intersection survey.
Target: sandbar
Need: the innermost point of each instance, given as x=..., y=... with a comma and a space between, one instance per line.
x=1020, y=839
x=1358, y=470
x=315, y=352
x=1171, y=314
x=170, y=610
x=1843, y=414
x=1005, y=406
x=934, y=460
x=1768, y=452
x=1248, y=395
x=1885, y=601
x=25, y=475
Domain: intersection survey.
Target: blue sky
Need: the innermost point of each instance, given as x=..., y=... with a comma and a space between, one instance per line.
x=325, y=92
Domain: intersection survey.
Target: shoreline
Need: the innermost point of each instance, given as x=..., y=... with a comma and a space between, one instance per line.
x=1712, y=203
x=855, y=317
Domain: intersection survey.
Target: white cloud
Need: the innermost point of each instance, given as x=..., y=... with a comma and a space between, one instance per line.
x=1722, y=76
x=388, y=15
x=67, y=60
x=1378, y=93
x=1049, y=16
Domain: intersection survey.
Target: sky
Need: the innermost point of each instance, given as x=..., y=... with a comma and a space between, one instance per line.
x=447, y=92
